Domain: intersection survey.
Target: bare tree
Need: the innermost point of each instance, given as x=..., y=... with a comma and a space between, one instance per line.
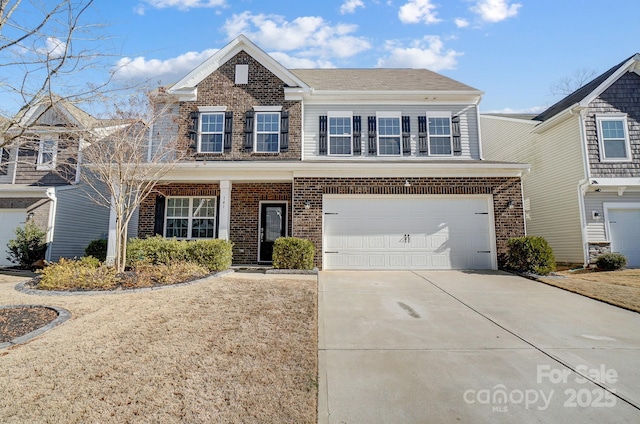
x=44, y=46
x=140, y=146
x=569, y=84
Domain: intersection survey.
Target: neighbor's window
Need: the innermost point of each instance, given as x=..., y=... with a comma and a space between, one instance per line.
x=439, y=130
x=340, y=135
x=190, y=217
x=613, y=138
x=211, y=132
x=389, y=141
x=267, y=132
x=47, y=153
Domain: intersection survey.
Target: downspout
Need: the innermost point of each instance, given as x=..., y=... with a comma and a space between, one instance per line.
x=479, y=130
x=15, y=164
x=51, y=194
x=583, y=185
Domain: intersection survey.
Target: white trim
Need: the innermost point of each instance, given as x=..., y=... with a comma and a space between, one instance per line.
x=583, y=143
x=615, y=205
x=286, y=221
x=339, y=114
x=267, y=108
x=51, y=224
x=42, y=166
x=200, y=132
x=190, y=218
x=437, y=114
x=614, y=182
x=255, y=130
x=393, y=115
x=210, y=109
x=582, y=188
x=613, y=117
x=224, y=221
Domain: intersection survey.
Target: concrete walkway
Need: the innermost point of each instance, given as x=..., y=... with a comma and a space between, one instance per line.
x=473, y=347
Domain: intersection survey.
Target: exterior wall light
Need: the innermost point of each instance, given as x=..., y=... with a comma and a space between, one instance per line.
x=511, y=204
x=307, y=204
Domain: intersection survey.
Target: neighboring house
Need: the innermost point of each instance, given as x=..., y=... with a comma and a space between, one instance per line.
x=583, y=192
x=39, y=179
x=379, y=168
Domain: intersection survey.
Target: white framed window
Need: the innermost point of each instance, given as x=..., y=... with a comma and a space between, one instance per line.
x=340, y=133
x=613, y=138
x=267, y=132
x=190, y=217
x=439, y=134
x=211, y=133
x=389, y=133
x=47, y=154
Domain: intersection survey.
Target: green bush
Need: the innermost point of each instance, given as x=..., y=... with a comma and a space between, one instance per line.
x=611, y=261
x=97, y=249
x=28, y=247
x=214, y=254
x=293, y=253
x=530, y=254
x=83, y=274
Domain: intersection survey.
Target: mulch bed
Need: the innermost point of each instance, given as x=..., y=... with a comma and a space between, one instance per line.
x=20, y=320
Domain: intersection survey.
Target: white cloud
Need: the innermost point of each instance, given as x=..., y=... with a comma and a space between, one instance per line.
x=308, y=36
x=54, y=48
x=178, y=4
x=417, y=11
x=495, y=10
x=350, y=6
x=293, y=62
x=461, y=23
x=169, y=70
x=427, y=52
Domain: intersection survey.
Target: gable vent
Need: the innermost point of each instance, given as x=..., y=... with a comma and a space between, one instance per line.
x=242, y=74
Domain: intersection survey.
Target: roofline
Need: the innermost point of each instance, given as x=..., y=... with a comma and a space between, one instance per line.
x=506, y=118
x=631, y=65
x=558, y=118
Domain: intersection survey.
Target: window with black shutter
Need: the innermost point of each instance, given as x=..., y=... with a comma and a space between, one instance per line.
x=228, y=131
x=284, y=131
x=158, y=223
x=371, y=120
x=423, y=142
x=248, y=130
x=4, y=160
x=455, y=133
x=192, y=132
x=439, y=134
x=357, y=135
x=322, y=135
x=406, y=136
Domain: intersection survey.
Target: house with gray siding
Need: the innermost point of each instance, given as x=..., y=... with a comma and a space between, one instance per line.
x=379, y=168
x=583, y=191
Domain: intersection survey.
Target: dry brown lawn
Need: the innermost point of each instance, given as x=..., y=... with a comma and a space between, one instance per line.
x=620, y=288
x=241, y=348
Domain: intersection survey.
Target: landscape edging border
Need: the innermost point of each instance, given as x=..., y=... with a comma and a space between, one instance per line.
x=63, y=315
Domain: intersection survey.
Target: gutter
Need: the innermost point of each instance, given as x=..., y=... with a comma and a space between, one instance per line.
x=583, y=186
x=51, y=194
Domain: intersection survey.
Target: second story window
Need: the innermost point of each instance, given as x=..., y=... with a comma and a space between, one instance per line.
x=613, y=138
x=439, y=130
x=267, y=132
x=211, y=133
x=389, y=135
x=340, y=135
x=47, y=154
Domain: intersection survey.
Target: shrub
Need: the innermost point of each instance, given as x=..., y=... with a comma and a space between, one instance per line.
x=28, y=247
x=83, y=274
x=155, y=250
x=611, y=261
x=293, y=253
x=530, y=254
x=97, y=249
x=148, y=275
x=216, y=254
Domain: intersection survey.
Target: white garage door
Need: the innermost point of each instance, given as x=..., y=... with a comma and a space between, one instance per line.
x=624, y=233
x=408, y=232
x=10, y=219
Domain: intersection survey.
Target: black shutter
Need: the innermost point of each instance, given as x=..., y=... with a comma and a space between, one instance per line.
x=248, y=130
x=228, y=131
x=193, y=128
x=322, y=131
x=373, y=148
x=455, y=132
x=357, y=136
x=406, y=136
x=4, y=160
x=423, y=142
x=284, y=131
x=158, y=224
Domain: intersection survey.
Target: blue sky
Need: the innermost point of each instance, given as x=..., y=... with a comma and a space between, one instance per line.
x=513, y=50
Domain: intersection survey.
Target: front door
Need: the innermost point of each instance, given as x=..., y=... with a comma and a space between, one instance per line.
x=273, y=224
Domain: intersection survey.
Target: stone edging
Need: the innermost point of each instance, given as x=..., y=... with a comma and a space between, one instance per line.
x=21, y=288
x=63, y=315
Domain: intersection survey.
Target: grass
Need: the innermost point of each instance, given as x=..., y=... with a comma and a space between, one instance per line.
x=241, y=348
x=620, y=288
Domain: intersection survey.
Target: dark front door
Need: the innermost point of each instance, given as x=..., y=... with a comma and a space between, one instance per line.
x=273, y=224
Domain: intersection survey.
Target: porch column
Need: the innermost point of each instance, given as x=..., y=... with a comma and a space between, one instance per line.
x=225, y=210
x=111, y=241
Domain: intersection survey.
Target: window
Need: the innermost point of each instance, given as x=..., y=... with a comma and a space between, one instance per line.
x=613, y=138
x=439, y=133
x=190, y=217
x=340, y=135
x=47, y=154
x=267, y=132
x=211, y=133
x=389, y=140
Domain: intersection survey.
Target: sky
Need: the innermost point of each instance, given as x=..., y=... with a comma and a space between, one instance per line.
x=514, y=51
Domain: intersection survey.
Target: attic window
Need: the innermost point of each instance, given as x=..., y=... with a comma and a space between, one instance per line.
x=242, y=74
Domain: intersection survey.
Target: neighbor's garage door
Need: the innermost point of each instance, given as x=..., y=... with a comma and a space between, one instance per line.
x=10, y=219
x=408, y=232
x=624, y=233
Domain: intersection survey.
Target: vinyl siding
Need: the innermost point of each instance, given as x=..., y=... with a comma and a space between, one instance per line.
x=552, y=204
x=596, y=231
x=468, y=128
x=7, y=168
x=165, y=129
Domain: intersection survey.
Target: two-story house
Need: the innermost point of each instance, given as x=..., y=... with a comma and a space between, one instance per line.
x=39, y=178
x=583, y=191
x=380, y=168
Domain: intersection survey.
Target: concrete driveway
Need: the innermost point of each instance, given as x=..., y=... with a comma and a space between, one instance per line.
x=451, y=346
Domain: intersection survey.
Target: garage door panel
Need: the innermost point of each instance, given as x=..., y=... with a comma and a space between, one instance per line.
x=10, y=219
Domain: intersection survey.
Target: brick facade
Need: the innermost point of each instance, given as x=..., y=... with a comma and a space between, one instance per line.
x=263, y=89
x=307, y=223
